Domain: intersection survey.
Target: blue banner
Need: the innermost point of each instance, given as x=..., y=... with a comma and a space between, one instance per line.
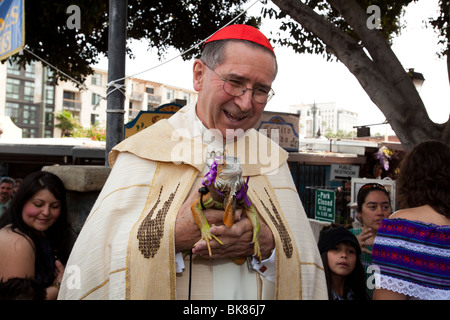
x=12, y=27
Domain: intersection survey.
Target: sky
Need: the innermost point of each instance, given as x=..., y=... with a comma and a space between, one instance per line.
x=307, y=78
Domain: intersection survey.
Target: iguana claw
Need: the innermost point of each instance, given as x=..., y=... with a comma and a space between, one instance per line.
x=207, y=236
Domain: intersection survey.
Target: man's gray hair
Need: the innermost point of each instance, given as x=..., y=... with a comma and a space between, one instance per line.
x=8, y=180
x=214, y=52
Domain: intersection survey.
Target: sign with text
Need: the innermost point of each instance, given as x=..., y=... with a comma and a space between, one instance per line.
x=146, y=118
x=325, y=205
x=343, y=172
x=12, y=27
x=280, y=127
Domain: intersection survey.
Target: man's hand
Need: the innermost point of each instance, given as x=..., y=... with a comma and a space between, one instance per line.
x=237, y=240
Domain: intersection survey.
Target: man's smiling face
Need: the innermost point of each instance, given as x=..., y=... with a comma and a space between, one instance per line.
x=217, y=109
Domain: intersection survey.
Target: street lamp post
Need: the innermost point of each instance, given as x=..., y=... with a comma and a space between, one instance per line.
x=417, y=78
x=116, y=70
x=314, y=112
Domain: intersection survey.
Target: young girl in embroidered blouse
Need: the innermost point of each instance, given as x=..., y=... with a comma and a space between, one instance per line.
x=412, y=247
x=344, y=272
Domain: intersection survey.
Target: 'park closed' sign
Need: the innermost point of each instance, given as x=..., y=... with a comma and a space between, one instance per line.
x=325, y=205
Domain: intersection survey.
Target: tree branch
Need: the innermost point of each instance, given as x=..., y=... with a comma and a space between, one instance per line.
x=379, y=49
x=382, y=76
x=347, y=50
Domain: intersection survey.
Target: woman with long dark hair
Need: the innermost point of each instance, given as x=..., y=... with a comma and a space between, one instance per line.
x=374, y=205
x=412, y=247
x=33, y=233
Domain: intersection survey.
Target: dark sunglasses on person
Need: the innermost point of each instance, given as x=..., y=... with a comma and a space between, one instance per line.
x=376, y=186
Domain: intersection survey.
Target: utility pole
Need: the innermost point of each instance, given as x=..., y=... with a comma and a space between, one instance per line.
x=43, y=102
x=314, y=112
x=116, y=70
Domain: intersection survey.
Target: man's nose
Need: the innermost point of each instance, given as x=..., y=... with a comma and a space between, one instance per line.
x=244, y=101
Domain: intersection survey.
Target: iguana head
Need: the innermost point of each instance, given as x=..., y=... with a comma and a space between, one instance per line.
x=229, y=174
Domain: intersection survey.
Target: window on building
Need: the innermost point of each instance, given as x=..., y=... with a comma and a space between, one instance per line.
x=12, y=88
x=13, y=68
x=150, y=90
x=69, y=95
x=49, y=94
x=187, y=97
x=96, y=79
x=12, y=110
x=29, y=70
x=30, y=114
x=49, y=117
x=94, y=119
x=130, y=110
x=28, y=91
x=95, y=99
x=29, y=133
x=48, y=133
x=170, y=94
x=71, y=101
x=50, y=73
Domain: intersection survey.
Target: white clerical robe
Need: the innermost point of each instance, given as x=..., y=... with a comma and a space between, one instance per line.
x=126, y=247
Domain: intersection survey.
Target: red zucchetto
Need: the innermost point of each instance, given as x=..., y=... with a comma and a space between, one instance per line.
x=241, y=32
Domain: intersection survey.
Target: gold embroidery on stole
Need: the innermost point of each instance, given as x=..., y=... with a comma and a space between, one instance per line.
x=288, y=277
x=279, y=224
x=151, y=261
x=151, y=229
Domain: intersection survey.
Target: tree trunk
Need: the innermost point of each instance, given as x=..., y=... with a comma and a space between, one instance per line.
x=380, y=73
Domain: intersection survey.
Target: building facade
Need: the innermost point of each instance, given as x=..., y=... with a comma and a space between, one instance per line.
x=24, y=99
x=22, y=96
x=326, y=117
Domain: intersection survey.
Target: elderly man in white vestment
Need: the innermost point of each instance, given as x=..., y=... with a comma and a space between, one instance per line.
x=138, y=241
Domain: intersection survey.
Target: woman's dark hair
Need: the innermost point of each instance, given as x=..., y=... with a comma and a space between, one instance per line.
x=368, y=188
x=21, y=289
x=57, y=233
x=425, y=177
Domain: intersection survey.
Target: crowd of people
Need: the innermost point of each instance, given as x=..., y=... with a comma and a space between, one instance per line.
x=405, y=254
x=143, y=240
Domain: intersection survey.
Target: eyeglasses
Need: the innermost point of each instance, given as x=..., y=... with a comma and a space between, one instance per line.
x=237, y=88
x=375, y=186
